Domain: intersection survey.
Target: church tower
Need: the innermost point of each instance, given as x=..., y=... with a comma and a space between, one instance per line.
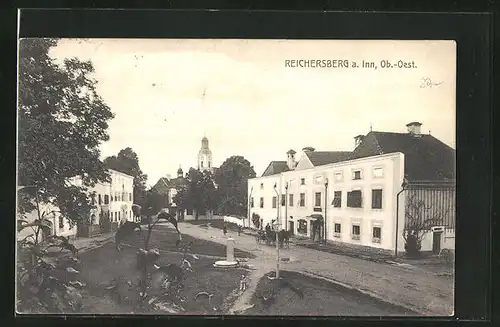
x=204, y=156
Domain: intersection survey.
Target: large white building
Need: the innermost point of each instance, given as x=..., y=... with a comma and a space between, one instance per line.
x=359, y=195
x=112, y=199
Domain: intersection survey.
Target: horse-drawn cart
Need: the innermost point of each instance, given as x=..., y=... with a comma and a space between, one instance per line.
x=268, y=237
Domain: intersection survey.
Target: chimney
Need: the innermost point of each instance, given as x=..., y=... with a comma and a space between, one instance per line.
x=414, y=128
x=308, y=149
x=357, y=140
x=290, y=162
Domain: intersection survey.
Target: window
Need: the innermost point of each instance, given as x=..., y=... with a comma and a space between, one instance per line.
x=338, y=176
x=110, y=197
x=189, y=211
x=356, y=174
x=376, y=199
x=377, y=234
x=356, y=232
x=116, y=216
x=290, y=200
x=302, y=181
x=336, y=230
x=130, y=196
x=337, y=199
x=119, y=215
x=283, y=200
x=302, y=199
x=354, y=199
x=99, y=199
x=209, y=164
x=124, y=196
x=378, y=172
x=261, y=186
x=116, y=196
x=251, y=202
x=274, y=202
x=262, y=202
x=106, y=199
x=317, y=199
x=202, y=164
x=61, y=222
x=317, y=180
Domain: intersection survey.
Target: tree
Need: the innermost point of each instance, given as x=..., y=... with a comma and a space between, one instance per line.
x=127, y=162
x=199, y=193
x=231, y=179
x=420, y=216
x=62, y=120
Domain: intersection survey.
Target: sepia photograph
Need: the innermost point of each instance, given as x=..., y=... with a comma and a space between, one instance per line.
x=236, y=177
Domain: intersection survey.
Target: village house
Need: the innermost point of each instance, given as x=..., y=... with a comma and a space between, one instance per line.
x=390, y=182
x=112, y=200
x=168, y=187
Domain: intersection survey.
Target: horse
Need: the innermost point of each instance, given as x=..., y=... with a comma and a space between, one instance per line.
x=284, y=237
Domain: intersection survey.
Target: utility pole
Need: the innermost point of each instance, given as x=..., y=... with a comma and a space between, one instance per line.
x=286, y=206
x=249, y=198
x=326, y=206
x=276, y=230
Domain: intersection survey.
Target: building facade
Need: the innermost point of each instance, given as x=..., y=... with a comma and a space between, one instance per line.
x=389, y=184
x=112, y=200
x=113, y=203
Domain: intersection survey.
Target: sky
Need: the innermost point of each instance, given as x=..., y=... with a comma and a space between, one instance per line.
x=167, y=94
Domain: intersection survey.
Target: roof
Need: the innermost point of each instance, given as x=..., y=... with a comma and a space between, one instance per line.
x=320, y=158
x=164, y=184
x=179, y=181
x=426, y=157
x=275, y=167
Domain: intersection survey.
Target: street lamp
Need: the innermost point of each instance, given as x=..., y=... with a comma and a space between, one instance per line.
x=249, y=197
x=326, y=206
x=286, y=206
x=276, y=230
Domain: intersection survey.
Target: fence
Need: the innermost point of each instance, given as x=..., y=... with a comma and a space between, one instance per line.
x=430, y=204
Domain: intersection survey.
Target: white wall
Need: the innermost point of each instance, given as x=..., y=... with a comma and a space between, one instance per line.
x=121, y=187
x=237, y=221
x=392, y=166
x=64, y=229
x=266, y=191
x=447, y=240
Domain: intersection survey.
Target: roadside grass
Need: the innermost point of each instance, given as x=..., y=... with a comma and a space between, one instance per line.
x=105, y=266
x=164, y=238
x=320, y=297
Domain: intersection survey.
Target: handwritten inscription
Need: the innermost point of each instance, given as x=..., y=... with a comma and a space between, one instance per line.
x=427, y=82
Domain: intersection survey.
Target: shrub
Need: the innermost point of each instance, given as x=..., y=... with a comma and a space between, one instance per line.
x=47, y=272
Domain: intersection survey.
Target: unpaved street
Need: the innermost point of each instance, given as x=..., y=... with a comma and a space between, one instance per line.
x=409, y=287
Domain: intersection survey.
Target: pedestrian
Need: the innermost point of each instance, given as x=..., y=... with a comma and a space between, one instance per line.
x=224, y=230
x=239, y=230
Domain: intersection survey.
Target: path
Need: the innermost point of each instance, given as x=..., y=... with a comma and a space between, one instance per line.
x=407, y=286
